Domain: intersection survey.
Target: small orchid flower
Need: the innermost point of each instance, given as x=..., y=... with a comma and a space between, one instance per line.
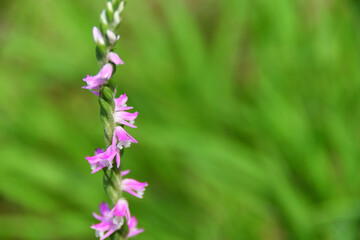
x=122, y=209
x=111, y=220
x=94, y=82
x=120, y=115
x=133, y=230
x=113, y=57
x=133, y=187
x=103, y=17
x=103, y=159
x=124, y=138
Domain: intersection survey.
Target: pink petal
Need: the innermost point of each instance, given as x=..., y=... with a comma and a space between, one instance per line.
x=132, y=223
x=95, y=92
x=104, y=208
x=121, y=209
x=106, y=71
x=125, y=172
x=101, y=227
x=134, y=232
x=127, y=124
x=122, y=135
x=97, y=169
x=132, y=192
x=99, y=150
x=98, y=217
x=121, y=100
x=124, y=108
x=113, y=57
x=118, y=160
x=111, y=231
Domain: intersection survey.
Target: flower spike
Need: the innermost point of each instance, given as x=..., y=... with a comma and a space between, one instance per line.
x=115, y=118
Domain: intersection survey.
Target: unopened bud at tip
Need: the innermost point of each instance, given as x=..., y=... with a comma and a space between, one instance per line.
x=121, y=6
x=109, y=6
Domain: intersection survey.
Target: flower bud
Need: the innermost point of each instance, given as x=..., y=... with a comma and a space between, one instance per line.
x=113, y=57
x=103, y=17
x=109, y=11
x=121, y=6
x=116, y=3
x=117, y=18
x=98, y=37
x=112, y=37
x=109, y=6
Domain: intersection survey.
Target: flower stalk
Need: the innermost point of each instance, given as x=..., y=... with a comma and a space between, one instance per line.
x=115, y=222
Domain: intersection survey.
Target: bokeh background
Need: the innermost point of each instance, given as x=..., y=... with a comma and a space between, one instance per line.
x=248, y=128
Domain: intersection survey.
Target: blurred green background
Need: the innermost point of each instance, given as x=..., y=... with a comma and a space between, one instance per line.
x=249, y=119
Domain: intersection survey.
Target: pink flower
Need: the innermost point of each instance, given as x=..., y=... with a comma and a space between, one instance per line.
x=122, y=209
x=120, y=115
x=133, y=230
x=94, y=82
x=124, y=138
x=113, y=57
x=103, y=159
x=133, y=187
x=111, y=220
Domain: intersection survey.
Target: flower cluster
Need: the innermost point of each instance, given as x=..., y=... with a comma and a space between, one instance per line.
x=105, y=158
x=117, y=117
x=112, y=220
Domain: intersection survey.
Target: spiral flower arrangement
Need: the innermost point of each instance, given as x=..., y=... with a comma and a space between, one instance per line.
x=115, y=219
